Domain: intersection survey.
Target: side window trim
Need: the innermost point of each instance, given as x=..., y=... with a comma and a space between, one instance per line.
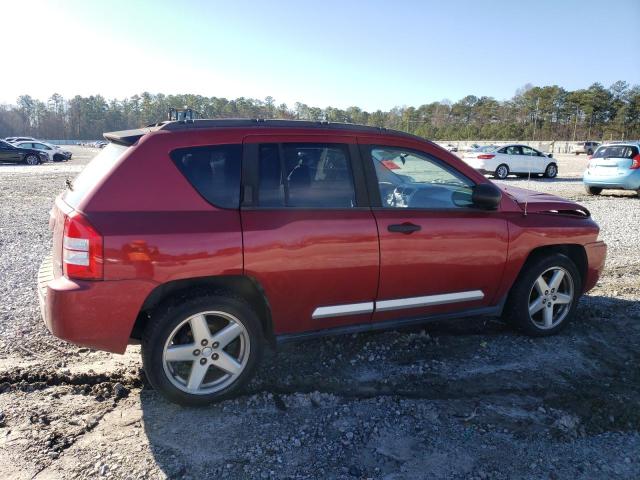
x=283, y=171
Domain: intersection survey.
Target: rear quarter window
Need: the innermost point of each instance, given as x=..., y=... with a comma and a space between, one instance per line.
x=214, y=171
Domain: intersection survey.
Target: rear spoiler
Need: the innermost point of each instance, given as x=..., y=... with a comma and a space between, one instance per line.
x=129, y=137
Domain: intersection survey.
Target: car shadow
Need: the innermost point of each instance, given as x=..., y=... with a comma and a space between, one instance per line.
x=451, y=366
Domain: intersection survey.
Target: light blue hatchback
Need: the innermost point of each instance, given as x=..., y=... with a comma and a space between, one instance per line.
x=615, y=166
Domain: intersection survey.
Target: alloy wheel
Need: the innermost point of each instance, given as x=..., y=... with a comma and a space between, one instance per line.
x=206, y=352
x=32, y=160
x=502, y=171
x=551, y=297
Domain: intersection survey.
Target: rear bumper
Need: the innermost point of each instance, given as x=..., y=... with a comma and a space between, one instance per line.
x=627, y=181
x=596, y=256
x=85, y=313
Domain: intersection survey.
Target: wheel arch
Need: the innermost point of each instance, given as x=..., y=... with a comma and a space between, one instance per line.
x=575, y=252
x=244, y=286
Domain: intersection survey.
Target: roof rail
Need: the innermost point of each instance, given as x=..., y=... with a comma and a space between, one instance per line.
x=276, y=123
x=129, y=137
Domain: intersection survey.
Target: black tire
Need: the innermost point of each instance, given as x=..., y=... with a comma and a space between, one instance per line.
x=551, y=171
x=516, y=311
x=58, y=158
x=502, y=171
x=589, y=152
x=168, y=317
x=32, y=159
x=593, y=190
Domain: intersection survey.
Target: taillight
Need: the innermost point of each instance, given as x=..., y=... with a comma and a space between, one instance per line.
x=589, y=157
x=485, y=156
x=635, y=162
x=82, y=250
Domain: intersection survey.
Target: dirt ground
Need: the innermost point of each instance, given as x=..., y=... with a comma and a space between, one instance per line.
x=468, y=398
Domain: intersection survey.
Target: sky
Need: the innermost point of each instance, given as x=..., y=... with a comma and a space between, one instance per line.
x=371, y=54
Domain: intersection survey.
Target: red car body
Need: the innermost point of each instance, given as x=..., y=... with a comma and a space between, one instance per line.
x=160, y=236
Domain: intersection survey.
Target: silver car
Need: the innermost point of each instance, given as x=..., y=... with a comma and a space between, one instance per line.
x=585, y=147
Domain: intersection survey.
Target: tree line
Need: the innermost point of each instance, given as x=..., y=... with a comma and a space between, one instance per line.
x=534, y=113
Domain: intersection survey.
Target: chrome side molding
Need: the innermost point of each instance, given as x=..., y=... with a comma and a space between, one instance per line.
x=429, y=300
x=341, y=310
x=397, y=304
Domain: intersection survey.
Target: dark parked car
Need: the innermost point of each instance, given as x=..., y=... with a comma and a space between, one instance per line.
x=53, y=152
x=204, y=239
x=13, y=154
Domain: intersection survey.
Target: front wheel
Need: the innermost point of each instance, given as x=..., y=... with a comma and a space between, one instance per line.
x=544, y=298
x=203, y=350
x=501, y=172
x=551, y=171
x=32, y=159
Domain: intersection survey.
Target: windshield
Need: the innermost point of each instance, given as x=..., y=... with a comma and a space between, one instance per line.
x=94, y=172
x=616, y=151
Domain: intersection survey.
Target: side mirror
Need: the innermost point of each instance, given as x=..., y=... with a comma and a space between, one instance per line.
x=550, y=155
x=486, y=196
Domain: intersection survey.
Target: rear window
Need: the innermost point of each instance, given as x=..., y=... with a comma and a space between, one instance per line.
x=616, y=151
x=213, y=171
x=94, y=172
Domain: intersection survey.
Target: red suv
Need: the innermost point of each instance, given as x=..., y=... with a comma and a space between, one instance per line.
x=202, y=239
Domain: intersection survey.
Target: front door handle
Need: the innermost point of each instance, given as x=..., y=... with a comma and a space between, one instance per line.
x=405, y=228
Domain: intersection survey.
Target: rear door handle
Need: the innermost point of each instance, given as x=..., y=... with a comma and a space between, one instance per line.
x=405, y=228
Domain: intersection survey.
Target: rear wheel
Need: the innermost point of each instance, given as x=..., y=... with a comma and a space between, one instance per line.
x=32, y=159
x=551, y=171
x=501, y=172
x=589, y=152
x=593, y=190
x=202, y=350
x=544, y=298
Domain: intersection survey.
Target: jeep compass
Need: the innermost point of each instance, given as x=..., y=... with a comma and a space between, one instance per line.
x=204, y=240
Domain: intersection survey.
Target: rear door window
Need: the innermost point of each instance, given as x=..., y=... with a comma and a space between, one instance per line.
x=214, y=171
x=311, y=175
x=513, y=150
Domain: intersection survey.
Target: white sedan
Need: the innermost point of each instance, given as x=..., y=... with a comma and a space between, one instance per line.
x=520, y=160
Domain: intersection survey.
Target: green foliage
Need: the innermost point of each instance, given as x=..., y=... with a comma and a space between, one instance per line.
x=536, y=113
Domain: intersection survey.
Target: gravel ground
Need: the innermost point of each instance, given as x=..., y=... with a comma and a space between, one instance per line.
x=460, y=399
